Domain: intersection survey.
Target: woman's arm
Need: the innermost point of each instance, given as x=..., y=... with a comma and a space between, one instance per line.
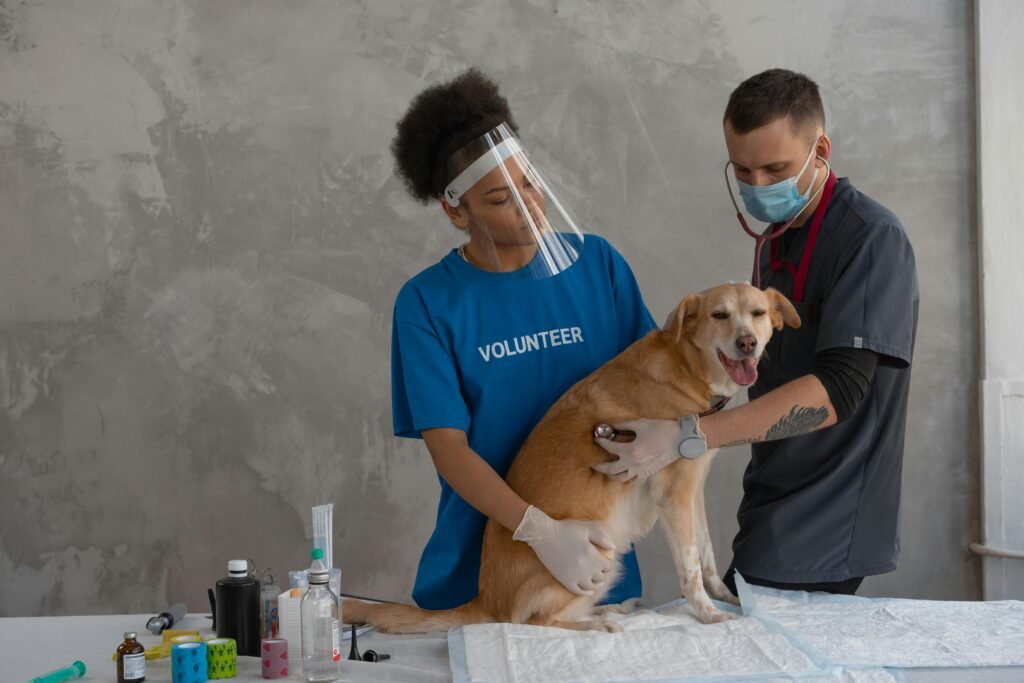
x=575, y=552
x=472, y=478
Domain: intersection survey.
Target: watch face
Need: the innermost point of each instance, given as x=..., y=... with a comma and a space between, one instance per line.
x=692, y=448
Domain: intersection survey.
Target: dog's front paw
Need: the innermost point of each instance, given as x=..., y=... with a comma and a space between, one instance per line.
x=731, y=599
x=714, y=616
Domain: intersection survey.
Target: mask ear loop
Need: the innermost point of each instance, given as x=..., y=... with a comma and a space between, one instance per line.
x=761, y=239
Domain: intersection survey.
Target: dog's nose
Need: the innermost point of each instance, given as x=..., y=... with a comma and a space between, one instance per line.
x=747, y=343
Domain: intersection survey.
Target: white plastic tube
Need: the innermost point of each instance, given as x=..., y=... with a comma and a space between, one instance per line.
x=979, y=549
x=323, y=523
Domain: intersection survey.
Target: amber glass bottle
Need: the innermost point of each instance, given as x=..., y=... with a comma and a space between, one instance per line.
x=131, y=660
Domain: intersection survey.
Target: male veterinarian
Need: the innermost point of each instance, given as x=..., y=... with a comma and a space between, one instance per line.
x=820, y=506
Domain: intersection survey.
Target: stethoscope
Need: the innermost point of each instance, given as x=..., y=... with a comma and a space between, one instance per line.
x=761, y=239
x=606, y=431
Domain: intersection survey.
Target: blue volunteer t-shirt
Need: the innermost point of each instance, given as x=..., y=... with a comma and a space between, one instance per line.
x=489, y=353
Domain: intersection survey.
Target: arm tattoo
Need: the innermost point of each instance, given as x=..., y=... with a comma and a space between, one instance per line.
x=740, y=442
x=799, y=421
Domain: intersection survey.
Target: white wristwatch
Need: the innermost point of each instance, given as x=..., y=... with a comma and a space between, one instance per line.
x=693, y=444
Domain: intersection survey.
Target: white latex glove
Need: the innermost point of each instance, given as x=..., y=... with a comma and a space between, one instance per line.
x=655, y=446
x=568, y=548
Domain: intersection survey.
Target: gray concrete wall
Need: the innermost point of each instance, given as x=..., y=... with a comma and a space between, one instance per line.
x=202, y=238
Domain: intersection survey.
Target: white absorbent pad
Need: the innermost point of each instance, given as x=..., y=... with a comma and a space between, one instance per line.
x=906, y=634
x=785, y=636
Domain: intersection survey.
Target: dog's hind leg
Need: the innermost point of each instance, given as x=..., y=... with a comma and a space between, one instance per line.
x=600, y=625
x=626, y=607
x=712, y=581
x=680, y=521
x=566, y=620
x=542, y=601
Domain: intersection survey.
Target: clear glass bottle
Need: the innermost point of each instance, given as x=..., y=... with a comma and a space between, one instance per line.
x=321, y=625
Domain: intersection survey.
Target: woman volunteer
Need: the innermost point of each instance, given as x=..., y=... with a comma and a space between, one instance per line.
x=487, y=339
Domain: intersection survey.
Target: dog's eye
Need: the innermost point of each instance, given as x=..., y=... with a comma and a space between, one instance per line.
x=720, y=315
x=758, y=313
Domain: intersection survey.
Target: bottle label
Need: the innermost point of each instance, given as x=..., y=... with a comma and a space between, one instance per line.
x=135, y=667
x=336, y=637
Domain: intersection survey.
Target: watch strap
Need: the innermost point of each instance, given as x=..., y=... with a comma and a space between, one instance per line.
x=693, y=443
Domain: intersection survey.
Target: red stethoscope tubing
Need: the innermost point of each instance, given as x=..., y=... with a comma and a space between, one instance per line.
x=799, y=275
x=760, y=239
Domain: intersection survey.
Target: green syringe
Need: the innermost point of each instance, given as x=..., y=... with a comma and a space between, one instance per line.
x=70, y=672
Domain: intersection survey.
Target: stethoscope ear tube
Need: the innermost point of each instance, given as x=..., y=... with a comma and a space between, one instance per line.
x=762, y=238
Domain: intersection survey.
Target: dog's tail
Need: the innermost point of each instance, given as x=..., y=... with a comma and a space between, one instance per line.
x=408, y=619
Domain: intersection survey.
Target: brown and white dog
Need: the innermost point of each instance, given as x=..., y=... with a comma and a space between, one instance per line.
x=710, y=347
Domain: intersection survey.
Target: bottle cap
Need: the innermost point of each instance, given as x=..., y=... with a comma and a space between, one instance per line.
x=130, y=635
x=317, y=575
x=238, y=566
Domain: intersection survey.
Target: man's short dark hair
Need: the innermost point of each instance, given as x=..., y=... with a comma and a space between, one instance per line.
x=772, y=95
x=441, y=120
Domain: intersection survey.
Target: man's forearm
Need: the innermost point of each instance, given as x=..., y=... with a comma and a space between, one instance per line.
x=796, y=408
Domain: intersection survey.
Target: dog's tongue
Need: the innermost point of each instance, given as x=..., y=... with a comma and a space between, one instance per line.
x=743, y=372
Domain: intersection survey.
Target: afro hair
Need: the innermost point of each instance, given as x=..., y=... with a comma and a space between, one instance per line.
x=443, y=119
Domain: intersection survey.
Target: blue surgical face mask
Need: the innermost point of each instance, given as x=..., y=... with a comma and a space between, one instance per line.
x=780, y=201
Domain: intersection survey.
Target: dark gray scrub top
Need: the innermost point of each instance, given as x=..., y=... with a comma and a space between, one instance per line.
x=824, y=506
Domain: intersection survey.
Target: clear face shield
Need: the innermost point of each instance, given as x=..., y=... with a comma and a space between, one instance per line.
x=517, y=223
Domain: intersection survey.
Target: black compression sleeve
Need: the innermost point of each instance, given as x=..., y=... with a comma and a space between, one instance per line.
x=845, y=373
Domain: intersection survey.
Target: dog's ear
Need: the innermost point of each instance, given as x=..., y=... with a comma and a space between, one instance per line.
x=781, y=310
x=685, y=312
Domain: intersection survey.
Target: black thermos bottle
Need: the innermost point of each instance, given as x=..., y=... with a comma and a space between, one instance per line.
x=238, y=608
